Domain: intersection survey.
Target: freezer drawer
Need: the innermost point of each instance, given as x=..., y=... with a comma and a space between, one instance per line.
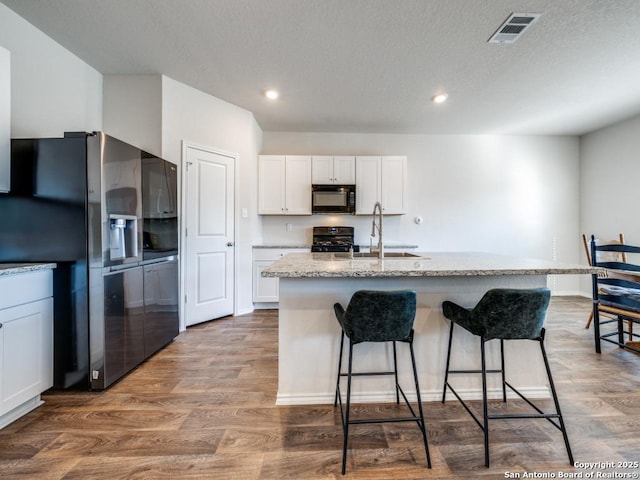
x=123, y=324
x=160, y=305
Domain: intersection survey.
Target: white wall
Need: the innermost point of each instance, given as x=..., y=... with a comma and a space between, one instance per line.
x=192, y=116
x=52, y=91
x=132, y=110
x=504, y=194
x=609, y=174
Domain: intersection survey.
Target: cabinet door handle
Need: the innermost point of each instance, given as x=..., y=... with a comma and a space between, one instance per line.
x=0, y=325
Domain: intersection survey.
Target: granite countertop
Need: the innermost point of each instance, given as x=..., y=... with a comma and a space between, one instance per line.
x=362, y=246
x=13, y=268
x=436, y=264
x=280, y=245
x=404, y=246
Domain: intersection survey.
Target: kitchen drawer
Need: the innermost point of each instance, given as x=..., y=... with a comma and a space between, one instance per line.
x=25, y=287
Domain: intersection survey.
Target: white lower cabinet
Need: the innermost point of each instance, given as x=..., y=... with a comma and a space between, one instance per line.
x=26, y=342
x=265, y=289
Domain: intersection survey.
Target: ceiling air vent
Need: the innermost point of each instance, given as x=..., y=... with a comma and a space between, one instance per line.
x=514, y=27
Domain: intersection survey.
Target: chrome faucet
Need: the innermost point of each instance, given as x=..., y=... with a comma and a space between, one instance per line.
x=377, y=207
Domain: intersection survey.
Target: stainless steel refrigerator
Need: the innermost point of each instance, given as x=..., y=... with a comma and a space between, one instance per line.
x=106, y=213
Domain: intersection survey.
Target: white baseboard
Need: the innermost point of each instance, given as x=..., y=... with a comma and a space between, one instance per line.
x=21, y=410
x=389, y=397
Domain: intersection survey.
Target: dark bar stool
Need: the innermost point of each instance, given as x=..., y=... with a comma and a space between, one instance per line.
x=377, y=316
x=504, y=314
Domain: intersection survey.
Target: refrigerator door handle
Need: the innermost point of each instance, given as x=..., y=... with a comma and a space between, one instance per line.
x=125, y=266
x=159, y=260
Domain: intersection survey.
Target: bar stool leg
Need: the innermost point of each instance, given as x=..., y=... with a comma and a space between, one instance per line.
x=563, y=429
x=345, y=422
x=395, y=372
x=485, y=407
x=422, y=424
x=446, y=372
x=504, y=380
x=335, y=401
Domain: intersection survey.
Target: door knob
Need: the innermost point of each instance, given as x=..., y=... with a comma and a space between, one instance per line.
x=229, y=244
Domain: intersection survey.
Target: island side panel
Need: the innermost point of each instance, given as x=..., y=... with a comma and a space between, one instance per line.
x=309, y=340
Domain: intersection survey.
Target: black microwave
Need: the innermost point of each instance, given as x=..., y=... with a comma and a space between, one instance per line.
x=333, y=199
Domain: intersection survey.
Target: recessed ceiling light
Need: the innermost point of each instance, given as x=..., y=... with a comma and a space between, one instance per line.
x=439, y=98
x=271, y=94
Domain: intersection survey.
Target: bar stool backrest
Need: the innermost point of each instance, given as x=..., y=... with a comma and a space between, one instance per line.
x=380, y=316
x=510, y=314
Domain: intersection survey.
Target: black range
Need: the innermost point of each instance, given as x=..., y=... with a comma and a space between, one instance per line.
x=333, y=239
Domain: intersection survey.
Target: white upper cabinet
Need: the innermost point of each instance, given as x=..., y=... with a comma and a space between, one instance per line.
x=393, y=184
x=284, y=186
x=5, y=120
x=381, y=179
x=329, y=169
x=271, y=187
x=321, y=170
x=367, y=184
x=298, y=185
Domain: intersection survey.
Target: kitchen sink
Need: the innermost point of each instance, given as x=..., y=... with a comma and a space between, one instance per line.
x=375, y=255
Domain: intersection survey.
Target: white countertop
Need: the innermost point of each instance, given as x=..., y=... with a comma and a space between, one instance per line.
x=13, y=268
x=428, y=264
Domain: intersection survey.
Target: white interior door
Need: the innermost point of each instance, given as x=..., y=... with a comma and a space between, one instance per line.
x=209, y=236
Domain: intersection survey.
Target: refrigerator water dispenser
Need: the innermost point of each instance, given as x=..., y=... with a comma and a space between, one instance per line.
x=123, y=237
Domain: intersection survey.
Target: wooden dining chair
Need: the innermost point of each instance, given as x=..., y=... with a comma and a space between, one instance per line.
x=614, y=257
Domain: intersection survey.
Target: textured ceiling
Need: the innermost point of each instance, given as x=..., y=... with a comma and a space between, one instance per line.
x=372, y=65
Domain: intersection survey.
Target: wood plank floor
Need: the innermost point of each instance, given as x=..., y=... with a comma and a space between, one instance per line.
x=204, y=407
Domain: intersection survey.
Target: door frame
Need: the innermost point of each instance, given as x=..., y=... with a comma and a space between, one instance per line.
x=183, y=208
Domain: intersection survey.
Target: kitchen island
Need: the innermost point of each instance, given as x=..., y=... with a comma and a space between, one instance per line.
x=309, y=334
